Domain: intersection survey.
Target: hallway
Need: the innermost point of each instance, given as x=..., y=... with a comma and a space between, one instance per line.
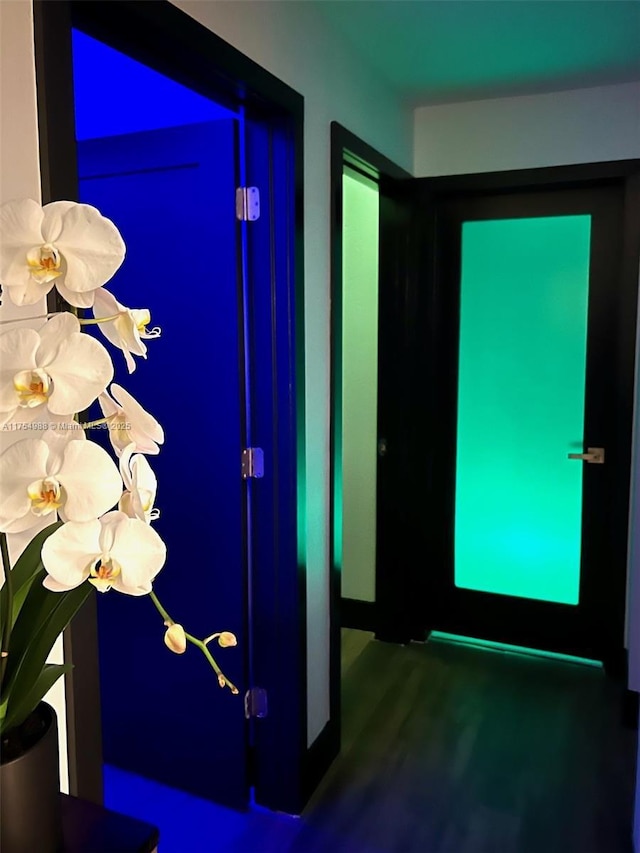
x=453, y=749
x=446, y=749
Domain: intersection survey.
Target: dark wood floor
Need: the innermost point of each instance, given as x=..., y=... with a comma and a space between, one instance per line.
x=451, y=749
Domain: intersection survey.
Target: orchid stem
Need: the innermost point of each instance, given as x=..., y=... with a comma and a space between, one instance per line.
x=195, y=641
x=37, y=317
x=90, y=424
x=8, y=615
x=160, y=608
x=99, y=320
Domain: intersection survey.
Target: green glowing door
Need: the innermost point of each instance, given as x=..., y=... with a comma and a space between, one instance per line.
x=529, y=334
x=524, y=294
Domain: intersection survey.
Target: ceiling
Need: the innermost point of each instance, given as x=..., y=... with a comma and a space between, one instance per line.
x=435, y=51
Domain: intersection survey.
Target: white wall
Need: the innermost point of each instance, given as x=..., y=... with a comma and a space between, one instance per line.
x=576, y=126
x=20, y=178
x=291, y=40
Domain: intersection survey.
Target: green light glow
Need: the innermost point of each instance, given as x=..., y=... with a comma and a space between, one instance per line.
x=523, y=332
x=441, y=636
x=355, y=437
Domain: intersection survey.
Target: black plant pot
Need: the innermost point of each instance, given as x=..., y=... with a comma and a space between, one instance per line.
x=30, y=813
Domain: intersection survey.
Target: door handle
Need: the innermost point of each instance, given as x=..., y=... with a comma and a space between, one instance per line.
x=594, y=455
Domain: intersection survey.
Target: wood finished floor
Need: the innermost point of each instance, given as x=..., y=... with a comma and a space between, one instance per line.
x=452, y=749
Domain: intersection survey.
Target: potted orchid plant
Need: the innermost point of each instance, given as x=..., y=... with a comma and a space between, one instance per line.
x=76, y=520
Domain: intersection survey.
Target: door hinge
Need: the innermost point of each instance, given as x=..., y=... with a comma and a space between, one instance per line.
x=247, y=204
x=255, y=703
x=252, y=462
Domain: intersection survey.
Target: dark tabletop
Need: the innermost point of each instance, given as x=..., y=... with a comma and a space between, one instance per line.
x=88, y=828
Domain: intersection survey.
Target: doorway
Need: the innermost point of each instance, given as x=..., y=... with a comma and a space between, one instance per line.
x=365, y=224
x=356, y=430
x=527, y=355
x=426, y=226
x=229, y=284
x=171, y=191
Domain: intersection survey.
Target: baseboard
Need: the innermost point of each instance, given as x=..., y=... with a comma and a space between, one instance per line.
x=361, y=615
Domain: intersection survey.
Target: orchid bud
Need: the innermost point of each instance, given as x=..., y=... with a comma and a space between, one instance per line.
x=175, y=639
x=226, y=639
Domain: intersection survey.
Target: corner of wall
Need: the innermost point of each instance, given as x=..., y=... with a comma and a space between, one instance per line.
x=20, y=178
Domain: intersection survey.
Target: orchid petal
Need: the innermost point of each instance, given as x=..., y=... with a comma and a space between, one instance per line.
x=126, y=505
x=20, y=465
x=145, y=485
x=17, y=352
x=18, y=425
x=71, y=550
x=109, y=408
x=105, y=304
x=52, y=585
x=57, y=441
x=128, y=335
x=91, y=481
x=53, y=217
x=53, y=333
x=110, y=523
x=74, y=297
x=129, y=360
x=142, y=473
x=141, y=484
x=20, y=231
x=140, y=552
x=81, y=371
x=30, y=292
x=125, y=470
x=122, y=331
x=143, y=424
x=91, y=245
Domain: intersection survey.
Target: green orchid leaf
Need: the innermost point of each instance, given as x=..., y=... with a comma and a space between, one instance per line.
x=23, y=573
x=31, y=620
x=43, y=617
x=19, y=708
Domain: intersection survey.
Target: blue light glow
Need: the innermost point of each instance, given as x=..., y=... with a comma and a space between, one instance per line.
x=188, y=823
x=114, y=94
x=159, y=167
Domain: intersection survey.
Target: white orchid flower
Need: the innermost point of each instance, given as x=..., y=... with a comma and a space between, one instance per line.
x=57, y=368
x=129, y=423
x=129, y=328
x=111, y=552
x=140, y=484
x=56, y=473
x=66, y=244
x=35, y=423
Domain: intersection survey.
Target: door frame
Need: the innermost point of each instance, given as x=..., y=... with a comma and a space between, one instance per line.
x=163, y=37
x=349, y=150
x=427, y=194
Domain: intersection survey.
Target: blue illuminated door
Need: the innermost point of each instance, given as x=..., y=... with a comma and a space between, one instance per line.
x=172, y=194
